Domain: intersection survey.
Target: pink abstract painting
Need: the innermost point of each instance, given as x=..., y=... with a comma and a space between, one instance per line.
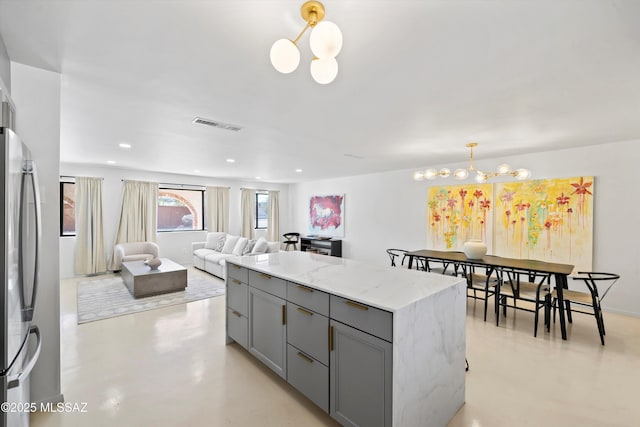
x=326, y=215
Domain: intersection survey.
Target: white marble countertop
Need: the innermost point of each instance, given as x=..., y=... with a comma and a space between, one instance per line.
x=384, y=287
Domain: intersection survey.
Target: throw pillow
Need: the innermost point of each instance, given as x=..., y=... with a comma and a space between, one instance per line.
x=214, y=239
x=260, y=247
x=239, y=247
x=221, y=243
x=249, y=247
x=229, y=244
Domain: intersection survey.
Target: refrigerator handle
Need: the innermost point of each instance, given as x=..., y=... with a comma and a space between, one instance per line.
x=30, y=170
x=32, y=361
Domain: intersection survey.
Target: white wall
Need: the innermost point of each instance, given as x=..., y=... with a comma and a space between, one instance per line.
x=5, y=68
x=36, y=93
x=174, y=245
x=388, y=210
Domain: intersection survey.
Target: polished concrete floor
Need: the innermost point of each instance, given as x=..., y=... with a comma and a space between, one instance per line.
x=171, y=367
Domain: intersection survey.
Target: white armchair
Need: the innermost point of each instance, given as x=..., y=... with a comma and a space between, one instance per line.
x=133, y=251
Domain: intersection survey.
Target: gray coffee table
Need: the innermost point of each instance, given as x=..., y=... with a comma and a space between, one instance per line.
x=144, y=282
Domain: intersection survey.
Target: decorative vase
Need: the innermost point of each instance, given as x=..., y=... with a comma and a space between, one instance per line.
x=153, y=263
x=475, y=249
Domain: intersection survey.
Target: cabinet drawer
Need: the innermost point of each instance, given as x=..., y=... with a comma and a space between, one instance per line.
x=312, y=299
x=238, y=327
x=308, y=331
x=366, y=318
x=267, y=283
x=238, y=296
x=236, y=272
x=308, y=376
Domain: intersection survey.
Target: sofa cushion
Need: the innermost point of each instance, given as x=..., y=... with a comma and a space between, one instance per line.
x=202, y=253
x=273, y=247
x=249, y=247
x=216, y=257
x=136, y=257
x=239, y=247
x=260, y=247
x=229, y=244
x=213, y=240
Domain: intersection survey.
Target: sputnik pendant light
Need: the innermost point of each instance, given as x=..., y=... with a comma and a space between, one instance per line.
x=460, y=174
x=325, y=42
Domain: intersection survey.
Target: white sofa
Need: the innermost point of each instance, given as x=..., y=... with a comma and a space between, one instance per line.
x=211, y=255
x=133, y=251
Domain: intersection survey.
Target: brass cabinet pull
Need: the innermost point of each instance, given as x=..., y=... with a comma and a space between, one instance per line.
x=357, y=305
x=330, y=338
x=284, y=314
x=304, y=288
x=307, y=312
x=264, y=276
x=236, y=281
x=235, y=266
x=305, y=357
x=236, y=313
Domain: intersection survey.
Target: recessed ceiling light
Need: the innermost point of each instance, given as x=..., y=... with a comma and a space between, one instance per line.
x=124, y=145
x=111, y=162
x=231, y=161
x=298, y=170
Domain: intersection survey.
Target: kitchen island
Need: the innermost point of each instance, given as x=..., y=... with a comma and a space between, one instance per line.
x=372, y=345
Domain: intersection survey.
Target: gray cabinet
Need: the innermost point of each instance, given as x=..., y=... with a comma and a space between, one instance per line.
x=335, y=351
x=268, y=330
x=237, y=306
x=360, y=377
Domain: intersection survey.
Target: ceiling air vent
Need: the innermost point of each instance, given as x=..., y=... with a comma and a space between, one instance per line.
x=215, y=124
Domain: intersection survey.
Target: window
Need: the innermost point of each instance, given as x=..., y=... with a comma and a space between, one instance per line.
x=262, y=210
x=180, y=210
x=67, y=209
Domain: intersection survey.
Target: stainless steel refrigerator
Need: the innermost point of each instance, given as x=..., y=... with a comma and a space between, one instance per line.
x=20, y=237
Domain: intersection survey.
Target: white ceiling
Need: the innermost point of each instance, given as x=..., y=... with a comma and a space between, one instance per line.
x=417, y=81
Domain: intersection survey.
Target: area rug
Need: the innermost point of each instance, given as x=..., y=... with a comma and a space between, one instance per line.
x=109, y=297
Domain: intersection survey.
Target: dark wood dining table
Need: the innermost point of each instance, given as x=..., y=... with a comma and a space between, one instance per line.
x=559, y=271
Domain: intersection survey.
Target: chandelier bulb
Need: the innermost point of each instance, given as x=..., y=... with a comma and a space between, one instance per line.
x=419, y=176
x=326, y=40
x=522, y=174
x=445, y=172
x=285, y=56
x=324, y=71
x=461, y=174
x=504, y=169
x=430, y=173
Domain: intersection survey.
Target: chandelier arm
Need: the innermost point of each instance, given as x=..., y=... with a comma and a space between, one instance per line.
x=301, y=33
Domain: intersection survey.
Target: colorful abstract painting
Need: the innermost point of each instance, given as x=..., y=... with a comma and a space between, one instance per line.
x=326, y=215
x=459, y=213
x=548, y=220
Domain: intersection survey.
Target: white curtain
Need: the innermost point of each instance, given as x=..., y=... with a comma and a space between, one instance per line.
x=273, y=228
x=90, y=254
x=139, y=212
x=218, y=209
x=248, y=212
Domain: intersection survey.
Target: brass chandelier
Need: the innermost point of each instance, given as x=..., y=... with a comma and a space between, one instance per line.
x=460, y=174
x=325, y=42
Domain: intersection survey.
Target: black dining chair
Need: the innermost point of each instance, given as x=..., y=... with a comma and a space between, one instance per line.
x=291, y=239
x=527, y=291
x=482, y=284
x=397, y=255
x=591, y=299
x=400, y=255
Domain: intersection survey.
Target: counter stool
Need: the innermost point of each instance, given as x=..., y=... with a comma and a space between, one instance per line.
x=291, y=239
